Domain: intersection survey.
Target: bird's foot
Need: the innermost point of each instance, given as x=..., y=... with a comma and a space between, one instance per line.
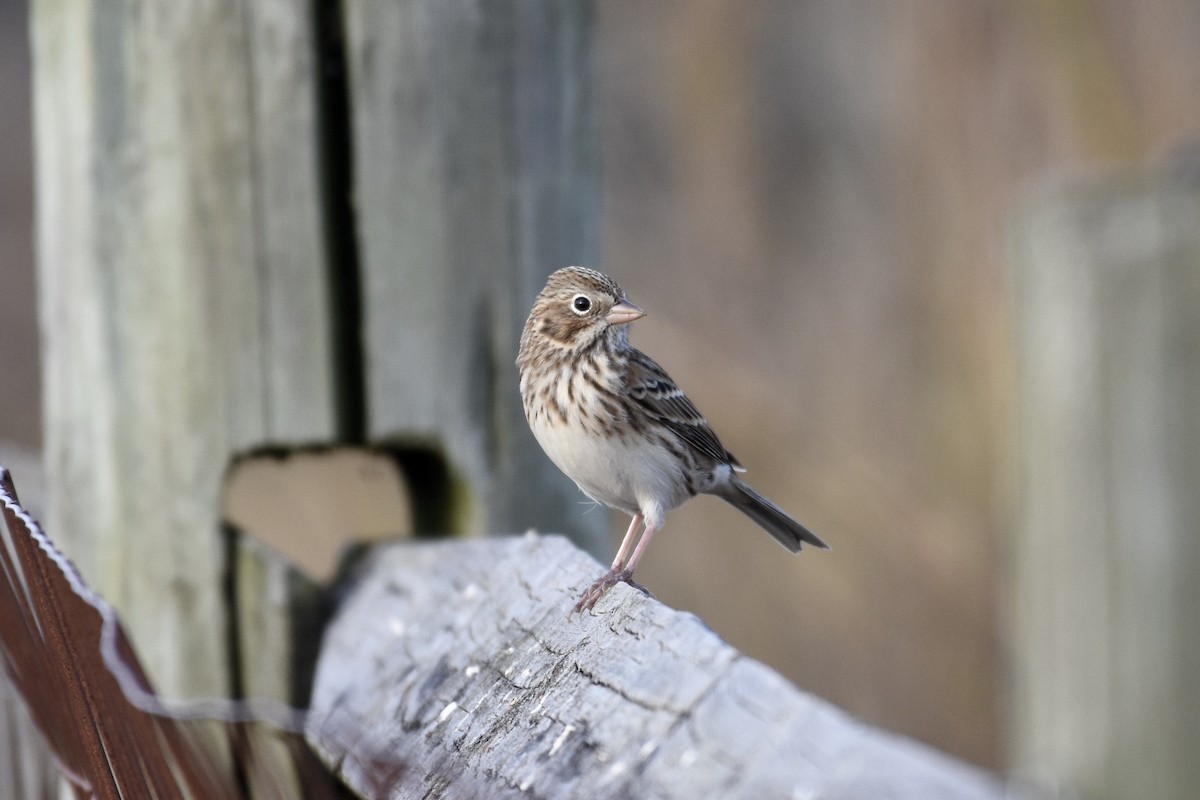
x=601, y=587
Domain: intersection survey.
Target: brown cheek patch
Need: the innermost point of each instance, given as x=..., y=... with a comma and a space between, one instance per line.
x=550, y=330
x=562, y=328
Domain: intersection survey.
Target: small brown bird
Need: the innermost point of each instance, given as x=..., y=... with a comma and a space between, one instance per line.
x=614, y=421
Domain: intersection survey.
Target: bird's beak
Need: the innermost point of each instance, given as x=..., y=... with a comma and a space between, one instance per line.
x=623, y=312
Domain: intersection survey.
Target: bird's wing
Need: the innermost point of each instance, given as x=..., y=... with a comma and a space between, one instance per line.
x=652, y=388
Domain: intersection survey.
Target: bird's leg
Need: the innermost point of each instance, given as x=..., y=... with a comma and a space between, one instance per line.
x=627, y=543
x=621, y=570
x=637, y=552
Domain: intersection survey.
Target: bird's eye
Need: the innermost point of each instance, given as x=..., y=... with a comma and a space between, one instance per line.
x=582, y=304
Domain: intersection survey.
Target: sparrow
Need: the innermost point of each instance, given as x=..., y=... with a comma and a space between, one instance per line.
x=615, y=423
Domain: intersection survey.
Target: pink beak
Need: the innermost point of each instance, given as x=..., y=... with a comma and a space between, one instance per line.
x=623, y=312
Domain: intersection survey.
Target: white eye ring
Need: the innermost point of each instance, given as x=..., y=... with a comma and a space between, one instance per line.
x=581, y=304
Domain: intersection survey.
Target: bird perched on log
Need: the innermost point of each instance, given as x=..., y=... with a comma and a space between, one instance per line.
x=615, y=423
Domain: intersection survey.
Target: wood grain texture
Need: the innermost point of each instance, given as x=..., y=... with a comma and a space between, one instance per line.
x=26, y=763
x=183, y=292
x=458, y=661
x=476, y=175
x=278, y=617
x=1107, y=310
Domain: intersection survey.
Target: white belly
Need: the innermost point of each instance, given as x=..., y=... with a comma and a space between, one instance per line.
x=630, y=475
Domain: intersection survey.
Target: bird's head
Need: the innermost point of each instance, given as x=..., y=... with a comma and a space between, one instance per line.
x=580, y=305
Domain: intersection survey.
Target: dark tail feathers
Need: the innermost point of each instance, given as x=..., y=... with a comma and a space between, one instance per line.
x=769, y=516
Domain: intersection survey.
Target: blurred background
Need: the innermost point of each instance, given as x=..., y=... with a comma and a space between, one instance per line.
x=813, y=203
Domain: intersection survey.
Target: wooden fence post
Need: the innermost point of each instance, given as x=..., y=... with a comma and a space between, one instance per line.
x=190, y=299
x=207, y=180
x=1105, y=596
x=477, y=174
x=184, y=293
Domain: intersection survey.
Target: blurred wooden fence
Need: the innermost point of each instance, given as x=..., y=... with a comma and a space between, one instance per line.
x=1105, y=595
x=69, y=660
x=268, y=224
x=276, y=223
x=284, y=223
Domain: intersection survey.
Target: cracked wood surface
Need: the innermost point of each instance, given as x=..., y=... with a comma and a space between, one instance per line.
x=452, y=670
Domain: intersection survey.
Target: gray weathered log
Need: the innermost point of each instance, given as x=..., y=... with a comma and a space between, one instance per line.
x=476, y=175
x=184, y=293
x=452, y=670
x=1107, y=317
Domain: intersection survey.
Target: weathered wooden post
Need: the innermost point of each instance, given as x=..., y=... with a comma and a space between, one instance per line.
x=1107, y=316
x=184, y=290
x=477, y=173
x=209, y=174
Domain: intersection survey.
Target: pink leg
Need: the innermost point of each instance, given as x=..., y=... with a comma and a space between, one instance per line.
x=622, y=566
x=641, y=548
x=627, y=543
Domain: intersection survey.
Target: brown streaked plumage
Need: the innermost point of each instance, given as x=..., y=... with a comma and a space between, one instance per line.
x=613, y=420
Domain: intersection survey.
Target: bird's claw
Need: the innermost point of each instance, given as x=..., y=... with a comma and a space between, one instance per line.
x=601, y=587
